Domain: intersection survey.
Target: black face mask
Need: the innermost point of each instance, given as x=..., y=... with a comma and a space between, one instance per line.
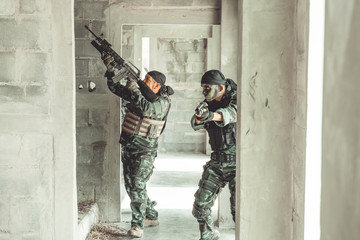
x=147, y=92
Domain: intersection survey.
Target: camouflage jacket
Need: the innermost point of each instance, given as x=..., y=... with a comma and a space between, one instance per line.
x=139, y=105
x=227, y=107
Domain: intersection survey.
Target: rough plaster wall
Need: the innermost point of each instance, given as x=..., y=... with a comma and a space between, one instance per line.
x=97, y=117
x=37, y=140
x=183, y=61
x=271, y=106
x=340, y=201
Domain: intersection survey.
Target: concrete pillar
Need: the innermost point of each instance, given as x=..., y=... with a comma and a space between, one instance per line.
x=272, y=119
x=98, y=116
x=229, y=57
x=340, y=197
x=37, y=121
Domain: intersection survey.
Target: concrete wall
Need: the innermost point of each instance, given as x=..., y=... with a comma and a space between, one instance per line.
x=340, y=197
x=272, y=100
x=183, y=62
x=97, y=116
x=229, y=62
x=37, y=120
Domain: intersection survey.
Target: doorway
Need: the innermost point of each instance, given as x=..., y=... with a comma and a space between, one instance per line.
x=183, y=53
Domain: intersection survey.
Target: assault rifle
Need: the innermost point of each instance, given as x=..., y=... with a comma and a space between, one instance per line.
x=127, y=69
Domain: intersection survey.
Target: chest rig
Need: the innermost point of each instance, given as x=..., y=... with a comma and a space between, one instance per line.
x=145, y=127
x=221, y=138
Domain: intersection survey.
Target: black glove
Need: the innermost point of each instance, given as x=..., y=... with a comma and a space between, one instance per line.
x=206, y=116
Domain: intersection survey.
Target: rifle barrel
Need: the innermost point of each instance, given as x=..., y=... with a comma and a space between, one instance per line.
x=91, y=32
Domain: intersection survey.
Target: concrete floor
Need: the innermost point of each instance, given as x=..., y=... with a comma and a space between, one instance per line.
x=172, y=186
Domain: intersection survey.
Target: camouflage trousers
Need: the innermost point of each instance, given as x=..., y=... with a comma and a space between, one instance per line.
x=138, y=167
x=215, y=176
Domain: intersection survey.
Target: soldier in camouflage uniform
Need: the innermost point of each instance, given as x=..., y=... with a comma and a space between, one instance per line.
x=147, y=109
x=219, y=120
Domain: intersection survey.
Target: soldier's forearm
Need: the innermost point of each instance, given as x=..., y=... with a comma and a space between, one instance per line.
x=218, y=117
x=197, y=122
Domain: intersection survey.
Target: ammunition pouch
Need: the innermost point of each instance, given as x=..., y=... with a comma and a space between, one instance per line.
x=200, y=213
x=144, y=127
x=221, y=138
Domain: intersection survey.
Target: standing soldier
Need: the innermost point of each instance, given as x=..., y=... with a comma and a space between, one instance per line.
x=146, y=112
x=218, y=116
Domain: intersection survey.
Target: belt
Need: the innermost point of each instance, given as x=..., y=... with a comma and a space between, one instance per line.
x=222, y=157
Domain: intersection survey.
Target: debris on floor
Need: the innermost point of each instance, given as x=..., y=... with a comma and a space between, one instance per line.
x=106, y=231
x=85, y=206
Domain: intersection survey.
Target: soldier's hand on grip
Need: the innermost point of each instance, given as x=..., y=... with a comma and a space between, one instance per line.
x=131, y=84
x=206, y=116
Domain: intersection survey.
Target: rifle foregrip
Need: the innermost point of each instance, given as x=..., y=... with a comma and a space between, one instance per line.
x=97, y=46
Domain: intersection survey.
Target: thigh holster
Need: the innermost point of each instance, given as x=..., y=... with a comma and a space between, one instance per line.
x=211, y=183
x=208, y=186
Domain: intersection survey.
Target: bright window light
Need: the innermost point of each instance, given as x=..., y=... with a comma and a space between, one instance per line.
x=314, y=120
x=145, y=56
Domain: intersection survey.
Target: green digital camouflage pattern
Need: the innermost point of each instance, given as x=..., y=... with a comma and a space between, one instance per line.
x=216, y=174
x=138, y=168
x=138, y=153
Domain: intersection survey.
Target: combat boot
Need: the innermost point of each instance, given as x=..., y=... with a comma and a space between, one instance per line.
x=135, y=232
x=151, y=216
x=215, y=236
x=151, y=222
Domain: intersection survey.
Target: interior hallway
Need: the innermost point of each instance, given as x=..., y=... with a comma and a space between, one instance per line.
x=172, y=186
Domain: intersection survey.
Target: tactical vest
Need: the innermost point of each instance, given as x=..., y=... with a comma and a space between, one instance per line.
x=145, y=127
x=221, y=138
